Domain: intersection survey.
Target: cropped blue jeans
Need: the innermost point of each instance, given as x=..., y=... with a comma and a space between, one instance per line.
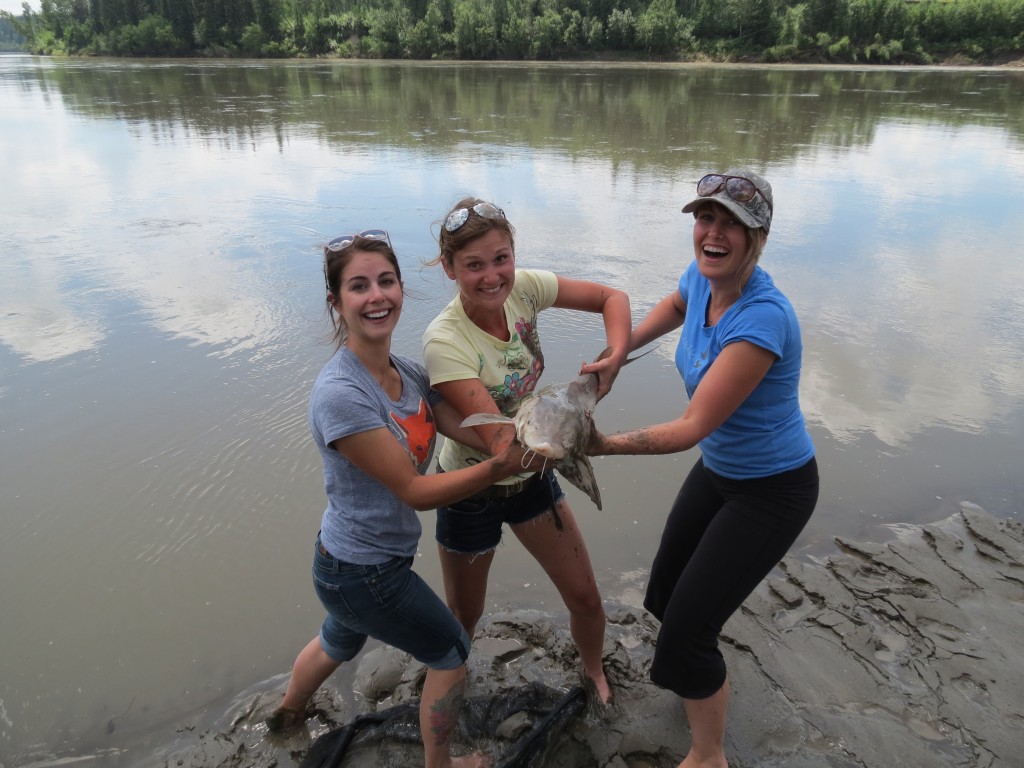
x=387, y=601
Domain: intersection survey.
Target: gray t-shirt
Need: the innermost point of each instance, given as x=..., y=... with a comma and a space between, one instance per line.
x=365, y=522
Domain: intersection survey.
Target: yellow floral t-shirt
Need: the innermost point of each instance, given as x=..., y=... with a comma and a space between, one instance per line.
x=454, y=348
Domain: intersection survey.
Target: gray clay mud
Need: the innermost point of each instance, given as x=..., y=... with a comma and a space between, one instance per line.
x=907, y=653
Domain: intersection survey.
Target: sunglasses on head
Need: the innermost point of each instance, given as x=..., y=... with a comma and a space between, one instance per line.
x=344, y=241
x=460, y=216
x=740, y=189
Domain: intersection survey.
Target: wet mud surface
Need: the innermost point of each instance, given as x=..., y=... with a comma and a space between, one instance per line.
x=907, y=653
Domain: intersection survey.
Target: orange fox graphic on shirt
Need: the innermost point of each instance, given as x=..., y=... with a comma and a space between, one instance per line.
x=419, y=432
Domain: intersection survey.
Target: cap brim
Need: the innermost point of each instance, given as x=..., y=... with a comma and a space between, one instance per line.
x=736, y=208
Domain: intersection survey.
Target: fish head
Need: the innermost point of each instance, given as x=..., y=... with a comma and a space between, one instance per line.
x=537, y=427
x=556, y=421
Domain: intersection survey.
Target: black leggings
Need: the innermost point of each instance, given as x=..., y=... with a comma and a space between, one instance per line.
x=722, y=537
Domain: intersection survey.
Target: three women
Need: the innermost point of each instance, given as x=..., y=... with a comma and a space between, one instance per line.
x=738, y=512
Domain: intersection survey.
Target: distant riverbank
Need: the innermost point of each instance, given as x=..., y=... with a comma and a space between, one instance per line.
x=1007, y=61
x=985, y=32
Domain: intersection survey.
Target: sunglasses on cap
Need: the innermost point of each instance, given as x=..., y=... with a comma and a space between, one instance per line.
x=460, y=216
x=344, y=241
x=740, y=189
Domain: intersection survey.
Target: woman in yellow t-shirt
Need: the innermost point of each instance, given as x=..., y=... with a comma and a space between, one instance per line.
x=483, y=355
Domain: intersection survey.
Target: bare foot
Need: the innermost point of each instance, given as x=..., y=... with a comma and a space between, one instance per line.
x=602, y=689
x=475, y=760
x=713, y=761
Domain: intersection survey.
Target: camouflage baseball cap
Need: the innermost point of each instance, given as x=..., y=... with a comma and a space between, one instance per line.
x=743, y=192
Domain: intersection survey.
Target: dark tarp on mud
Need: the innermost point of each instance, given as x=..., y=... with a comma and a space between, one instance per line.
x=532, y=716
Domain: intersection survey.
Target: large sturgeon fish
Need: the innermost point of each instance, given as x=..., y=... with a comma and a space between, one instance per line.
x=556, y=422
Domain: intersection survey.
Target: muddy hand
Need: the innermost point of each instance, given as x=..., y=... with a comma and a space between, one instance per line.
x=520, y=459
x=606, y=368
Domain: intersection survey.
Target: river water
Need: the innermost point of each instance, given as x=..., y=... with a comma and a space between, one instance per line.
x=161, y=321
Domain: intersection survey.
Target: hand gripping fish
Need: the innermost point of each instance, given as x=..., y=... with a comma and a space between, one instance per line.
x=556, y=421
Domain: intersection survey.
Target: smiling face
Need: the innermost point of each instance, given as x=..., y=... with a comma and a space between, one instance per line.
x=369, y=297
x=723, y=245
x=485, y=270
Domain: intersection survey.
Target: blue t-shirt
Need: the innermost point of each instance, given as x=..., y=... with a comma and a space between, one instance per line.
x=766, y=435
x=365, y=522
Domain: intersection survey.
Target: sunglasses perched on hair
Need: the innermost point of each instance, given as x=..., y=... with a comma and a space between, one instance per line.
x=460, y=216
x=740, y=189
x=344, y=241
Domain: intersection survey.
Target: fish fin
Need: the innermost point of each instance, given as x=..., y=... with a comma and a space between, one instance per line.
x=608, y=350
x=642, y=354
x=485, y=418
x=580, y=472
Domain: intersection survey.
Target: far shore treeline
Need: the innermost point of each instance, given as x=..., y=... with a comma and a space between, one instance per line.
x=840, y=31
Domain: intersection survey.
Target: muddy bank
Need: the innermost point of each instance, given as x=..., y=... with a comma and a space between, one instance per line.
x=907, y=653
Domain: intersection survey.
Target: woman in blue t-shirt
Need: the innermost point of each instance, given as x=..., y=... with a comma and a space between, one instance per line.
x=375, y=420
x=756, y=484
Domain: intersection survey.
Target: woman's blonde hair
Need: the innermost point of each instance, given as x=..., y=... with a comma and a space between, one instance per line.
x=473, y=227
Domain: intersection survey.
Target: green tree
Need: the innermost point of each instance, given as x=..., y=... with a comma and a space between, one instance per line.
x=657, y=29
x=386, y=29
x=593, y=31
x=621, y=29
x=267, y=14
x=152, y=36
x=517, y=30
x=426, y=38
x=254, y=40
x=713, y=18
x=547, y=34
x=182, y=16
x=476, y=34
x=213, y=23
x=326, y=34
x=871, y=19
x=762, y=22
x=573, y=31
x=791, y=29
x=828, y=16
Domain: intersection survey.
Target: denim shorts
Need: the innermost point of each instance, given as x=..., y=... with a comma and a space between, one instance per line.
x=390, y=603
x=473, y=526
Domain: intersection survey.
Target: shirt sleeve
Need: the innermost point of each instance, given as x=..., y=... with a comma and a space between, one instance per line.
x=762, y=323
x=450, y=358
x=343, y=409
x=544, y=284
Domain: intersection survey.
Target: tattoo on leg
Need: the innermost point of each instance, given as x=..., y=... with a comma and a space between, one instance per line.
x=444, y=713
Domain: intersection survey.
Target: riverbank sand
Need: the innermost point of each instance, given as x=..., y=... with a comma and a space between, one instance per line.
x=906, y=653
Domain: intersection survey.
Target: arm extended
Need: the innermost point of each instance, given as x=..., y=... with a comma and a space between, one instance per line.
x=379, y=455
x=732, y=377
x=613, y=305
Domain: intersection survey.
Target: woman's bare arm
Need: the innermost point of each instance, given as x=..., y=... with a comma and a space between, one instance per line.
x=732, y=377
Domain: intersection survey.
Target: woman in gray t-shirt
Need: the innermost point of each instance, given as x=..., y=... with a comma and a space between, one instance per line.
x=375, y=420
